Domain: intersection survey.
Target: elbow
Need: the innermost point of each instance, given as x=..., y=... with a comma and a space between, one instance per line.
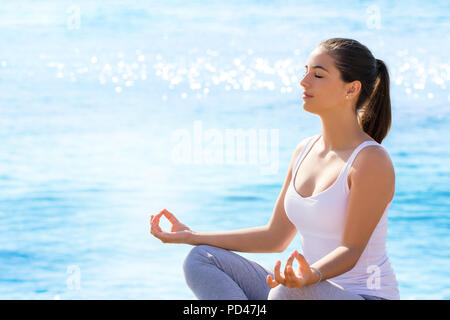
x=353, y=255
x=280, y=248
x=274, y=247
x=353, y=264
x=278, y=239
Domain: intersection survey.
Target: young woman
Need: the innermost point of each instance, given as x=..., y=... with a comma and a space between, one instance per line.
x=337, y=193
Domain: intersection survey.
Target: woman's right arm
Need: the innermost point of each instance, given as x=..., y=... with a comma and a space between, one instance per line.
x=275, y=236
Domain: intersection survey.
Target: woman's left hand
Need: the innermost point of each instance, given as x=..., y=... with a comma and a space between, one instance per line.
x=304, y=275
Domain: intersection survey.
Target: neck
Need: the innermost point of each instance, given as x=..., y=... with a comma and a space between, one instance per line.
x=341, y=132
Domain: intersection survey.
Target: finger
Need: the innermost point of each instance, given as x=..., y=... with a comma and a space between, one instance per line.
x=301, y=260
x=296, y=280
x=154, y=231
x=289, y=264
x=155, y=223
x=170, y=216
x=272, y=284
x=276, y=272
x=157, y=218
x=290, y=276
x=157, y=228
x=293, y=279
x=304, y=269
x=161, y=235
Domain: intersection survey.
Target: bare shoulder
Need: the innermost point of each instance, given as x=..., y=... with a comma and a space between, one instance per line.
x=301, y=146
x=373, y=166
x=295, y=154
x=373, y=156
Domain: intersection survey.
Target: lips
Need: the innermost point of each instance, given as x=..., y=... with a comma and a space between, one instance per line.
x=306, y=95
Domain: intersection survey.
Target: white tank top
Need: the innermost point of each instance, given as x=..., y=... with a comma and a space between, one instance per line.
x=320, y=222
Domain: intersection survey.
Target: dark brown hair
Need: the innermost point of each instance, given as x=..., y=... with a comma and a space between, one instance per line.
x=355, y=62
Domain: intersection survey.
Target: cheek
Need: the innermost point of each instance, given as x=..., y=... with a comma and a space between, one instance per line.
x=329, y=91
x=327, y=95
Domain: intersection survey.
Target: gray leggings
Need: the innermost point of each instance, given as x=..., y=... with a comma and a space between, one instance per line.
x=214, y=273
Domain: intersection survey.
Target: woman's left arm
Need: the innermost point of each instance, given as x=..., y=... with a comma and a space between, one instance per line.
x=372, y=188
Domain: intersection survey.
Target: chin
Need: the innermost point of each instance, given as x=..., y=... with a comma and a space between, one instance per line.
x=308, y=108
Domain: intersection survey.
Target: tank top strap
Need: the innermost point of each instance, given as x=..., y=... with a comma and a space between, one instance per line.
x=355, y=153
x=304, y=152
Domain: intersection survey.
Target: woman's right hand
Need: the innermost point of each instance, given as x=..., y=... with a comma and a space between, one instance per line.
x=179, y=233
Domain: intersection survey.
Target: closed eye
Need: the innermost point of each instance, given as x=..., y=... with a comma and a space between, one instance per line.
x=316, y=75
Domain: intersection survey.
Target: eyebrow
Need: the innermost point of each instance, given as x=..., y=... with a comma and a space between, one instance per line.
x=318, y=67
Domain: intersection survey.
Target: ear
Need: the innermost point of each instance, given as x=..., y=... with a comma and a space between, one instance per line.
x=353, y=89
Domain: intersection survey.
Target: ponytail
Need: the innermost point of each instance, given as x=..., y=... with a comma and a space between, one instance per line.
x=375, y=116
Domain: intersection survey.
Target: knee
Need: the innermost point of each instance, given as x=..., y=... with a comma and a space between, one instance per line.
x=282, y=292
x=192, y=257
x=197, y=255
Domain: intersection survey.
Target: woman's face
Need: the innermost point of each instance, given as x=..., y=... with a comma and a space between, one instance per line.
x=324, y=90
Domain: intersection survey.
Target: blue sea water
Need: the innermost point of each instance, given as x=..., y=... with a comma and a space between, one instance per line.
x=94, y=100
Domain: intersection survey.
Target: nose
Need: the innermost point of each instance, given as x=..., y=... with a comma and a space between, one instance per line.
x=304, y=81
